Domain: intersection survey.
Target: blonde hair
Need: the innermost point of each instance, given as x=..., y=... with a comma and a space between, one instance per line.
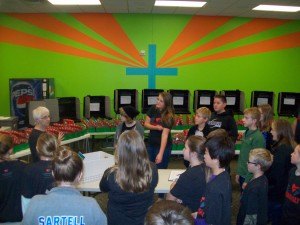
x=40, y=112
x=168, y=212
x=284, y=132
x=167, y=114
x=205, y=112
x=66, y=165
x=262, y=157
x=6, y=143
x=254, y=113
x=267, y=117
x=133, y=168
x=46, y=145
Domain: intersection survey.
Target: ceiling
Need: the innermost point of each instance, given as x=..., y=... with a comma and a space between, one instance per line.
x=237, y=8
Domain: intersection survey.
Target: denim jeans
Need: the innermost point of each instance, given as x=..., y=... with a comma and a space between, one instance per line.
x=153, y=151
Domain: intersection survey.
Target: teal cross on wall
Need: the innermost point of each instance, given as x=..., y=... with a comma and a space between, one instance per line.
x=152, y=71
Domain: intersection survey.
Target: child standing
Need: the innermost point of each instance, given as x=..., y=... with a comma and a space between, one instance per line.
x=291, y=207
x=266, y=118
x=221, y=118
x=160, y=120
x=252, y=138
x=10, y=183
x=278, y=174
x=190, y=185
x=215, y=204
x=130, y=183
x=254, y=201
x=64, y=204
x=128, y=114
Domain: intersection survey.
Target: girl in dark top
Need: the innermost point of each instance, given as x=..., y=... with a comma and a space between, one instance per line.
x=10, y=183
x=266, y=118
x=190, y=186
x=130, y=183
x=38, y=176
x=160, y=120
x=278, y=173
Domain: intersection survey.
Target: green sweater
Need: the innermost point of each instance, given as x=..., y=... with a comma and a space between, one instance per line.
x=251, y=139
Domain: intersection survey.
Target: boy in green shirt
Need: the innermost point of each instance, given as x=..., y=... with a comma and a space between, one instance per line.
x=252, y=138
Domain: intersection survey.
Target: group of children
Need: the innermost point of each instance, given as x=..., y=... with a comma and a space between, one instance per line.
x=269, y=189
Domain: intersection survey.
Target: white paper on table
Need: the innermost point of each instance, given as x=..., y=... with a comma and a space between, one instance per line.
x=174, y=175
x=125, y=99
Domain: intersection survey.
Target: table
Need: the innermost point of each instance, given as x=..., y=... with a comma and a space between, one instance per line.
x=96, y=163
x=5, y=128
x=26, y=151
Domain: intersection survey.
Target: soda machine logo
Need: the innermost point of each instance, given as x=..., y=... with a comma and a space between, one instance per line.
x=21, y=93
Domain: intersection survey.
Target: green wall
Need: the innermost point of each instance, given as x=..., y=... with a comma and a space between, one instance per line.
x=276, y=70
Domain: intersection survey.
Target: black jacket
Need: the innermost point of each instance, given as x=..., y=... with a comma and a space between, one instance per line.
x=278, y=173
x=224, y=121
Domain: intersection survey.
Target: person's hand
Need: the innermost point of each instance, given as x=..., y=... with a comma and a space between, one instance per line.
x=60, y=137
x=237, y=178
x=244, y=185
x=159, y=127
x=158, y=158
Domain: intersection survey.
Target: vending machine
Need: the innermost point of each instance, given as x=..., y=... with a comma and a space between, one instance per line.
x=24, y=90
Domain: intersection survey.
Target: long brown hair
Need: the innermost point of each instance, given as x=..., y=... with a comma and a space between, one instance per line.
x=167, y=114
x=46, y=145
x=133, y=169
x=267, y=117
x=196, y=144
x=284, y=132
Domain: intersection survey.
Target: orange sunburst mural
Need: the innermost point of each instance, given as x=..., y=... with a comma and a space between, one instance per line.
x=51, y=24
x=110, y=43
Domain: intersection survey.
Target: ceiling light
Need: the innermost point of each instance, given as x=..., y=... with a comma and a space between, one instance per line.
x=75, y=2
x=278, y=8
x=180, y=3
